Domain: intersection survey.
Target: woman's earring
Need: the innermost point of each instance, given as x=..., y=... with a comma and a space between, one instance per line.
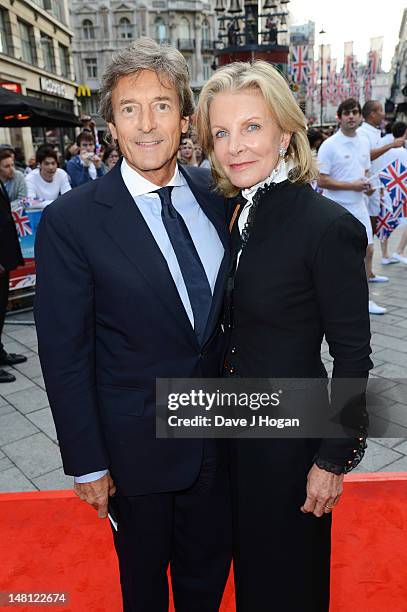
x=282, y=151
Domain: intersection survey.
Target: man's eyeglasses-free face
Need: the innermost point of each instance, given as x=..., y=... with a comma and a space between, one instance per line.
x=353, y=111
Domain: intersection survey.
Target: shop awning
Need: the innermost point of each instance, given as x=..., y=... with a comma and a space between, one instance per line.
x=17, y=110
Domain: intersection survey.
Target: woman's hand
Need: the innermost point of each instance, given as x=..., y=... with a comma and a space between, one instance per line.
x=324, y=490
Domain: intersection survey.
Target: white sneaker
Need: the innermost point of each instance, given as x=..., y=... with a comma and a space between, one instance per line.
x=399, y=258
x=375, y=309
x=378, y=279
x=390, y=260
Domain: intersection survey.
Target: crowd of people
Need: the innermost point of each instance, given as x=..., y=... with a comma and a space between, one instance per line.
x=350, y=161
x=48, y=175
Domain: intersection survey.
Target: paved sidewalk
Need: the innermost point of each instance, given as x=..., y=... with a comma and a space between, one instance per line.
x=29, y=454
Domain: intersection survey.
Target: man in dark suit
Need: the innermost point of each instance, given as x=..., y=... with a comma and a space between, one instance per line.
x=131, y=272
x=10, y=258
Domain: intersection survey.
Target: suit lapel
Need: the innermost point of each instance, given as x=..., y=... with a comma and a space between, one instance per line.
x=126, y=226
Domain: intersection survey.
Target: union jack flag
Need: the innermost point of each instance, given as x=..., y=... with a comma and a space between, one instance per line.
x=340, y=87
x=299, y=63
x=367, y=86
x=402, y=209
x=372, y=62
x=348, y=67
x=22, y=223
x=386, y=222
x=394, y=178
x=311, y=78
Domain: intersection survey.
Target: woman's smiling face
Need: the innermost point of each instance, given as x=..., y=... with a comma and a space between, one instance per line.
x=246, y=137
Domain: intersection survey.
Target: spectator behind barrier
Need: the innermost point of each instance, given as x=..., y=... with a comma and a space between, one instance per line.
x=110, y=157
x=47, y=181
x=86, y=165
x=13, y=179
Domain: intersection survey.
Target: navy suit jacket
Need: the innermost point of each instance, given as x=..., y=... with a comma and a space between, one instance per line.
x=110, y=321
x=10, y=251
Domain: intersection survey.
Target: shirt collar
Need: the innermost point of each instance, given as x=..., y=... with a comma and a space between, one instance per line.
x=138, y=185
x=366, y=126
x=278, y=175
x=340, y=135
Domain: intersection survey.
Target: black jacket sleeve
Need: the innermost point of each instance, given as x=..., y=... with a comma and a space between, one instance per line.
x=341, y=285
x=64, y=316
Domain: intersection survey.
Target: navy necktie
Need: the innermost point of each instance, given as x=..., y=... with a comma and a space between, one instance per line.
x=193, y=272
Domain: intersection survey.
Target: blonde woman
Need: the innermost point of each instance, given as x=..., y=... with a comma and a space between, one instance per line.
x=297, y=275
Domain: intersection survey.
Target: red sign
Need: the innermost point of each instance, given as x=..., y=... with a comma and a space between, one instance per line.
x=14, y=87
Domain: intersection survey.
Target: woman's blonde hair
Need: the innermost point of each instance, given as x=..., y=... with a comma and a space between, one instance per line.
x=263, y=77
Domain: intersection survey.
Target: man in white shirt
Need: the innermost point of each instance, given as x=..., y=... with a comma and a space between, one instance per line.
x=344, y=161
x=373, y=115
x=47, y=182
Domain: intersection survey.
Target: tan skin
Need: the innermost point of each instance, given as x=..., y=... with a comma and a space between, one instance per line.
x=148, y=127
x=246, y=144
x=7, y=168
x=48, y=167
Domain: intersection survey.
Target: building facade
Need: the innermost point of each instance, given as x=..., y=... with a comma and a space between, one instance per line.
x=398, y=94
x=102, y=26
x=36, y=60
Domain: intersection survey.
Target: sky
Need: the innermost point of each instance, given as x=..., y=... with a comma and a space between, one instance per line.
x=357, y=20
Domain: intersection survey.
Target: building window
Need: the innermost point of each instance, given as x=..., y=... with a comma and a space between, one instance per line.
x=92, y=104
x=160, y=30
x=47, y=46
x=64, y=60
x=125, y=28
x=188, y=59
x=185, y=42
x=91, y=68
x=88, y=29
x=207, y=68
x=28, y=50
x=206, y=33
x=5, y=33
x=184, y=28
x=58, y=10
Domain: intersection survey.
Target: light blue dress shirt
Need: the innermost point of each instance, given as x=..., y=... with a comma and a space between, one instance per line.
x=204, y=236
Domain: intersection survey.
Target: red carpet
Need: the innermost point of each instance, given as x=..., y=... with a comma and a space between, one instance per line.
x=52, y=542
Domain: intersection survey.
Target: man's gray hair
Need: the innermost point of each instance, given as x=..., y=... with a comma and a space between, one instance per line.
x=145, y=54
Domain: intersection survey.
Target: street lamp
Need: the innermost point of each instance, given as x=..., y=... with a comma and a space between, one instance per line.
x=322, y=32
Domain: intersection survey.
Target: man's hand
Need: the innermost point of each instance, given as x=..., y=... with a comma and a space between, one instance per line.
x=369, y=189
x=359, y=185
x=399, y=142
x=97, y=161
x=324, y=490
x=97, y=493
x=85, y=159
